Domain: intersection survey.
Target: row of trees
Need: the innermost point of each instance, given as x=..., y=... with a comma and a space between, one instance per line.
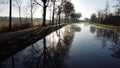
x=30, y=9
x=61, y=10
x=104, y=16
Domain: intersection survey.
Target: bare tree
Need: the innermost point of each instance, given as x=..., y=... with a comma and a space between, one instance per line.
x=31, y=8
x=94, y=18
x=100, y=15
x=50, y=11
x=44, y=6
x=53, y=13
x=10, y=15
x=19, y=5
x=117, y=8
x=57, y=9
x=59, y=14
x=44, y=12
x=107, y=9
x=68, y=8
x=62, y=15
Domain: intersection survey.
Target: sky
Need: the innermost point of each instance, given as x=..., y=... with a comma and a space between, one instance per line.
x=85, y=7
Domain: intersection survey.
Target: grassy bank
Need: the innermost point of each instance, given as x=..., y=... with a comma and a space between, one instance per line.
x=110, y=27
x=13, y=45
x=15, y=27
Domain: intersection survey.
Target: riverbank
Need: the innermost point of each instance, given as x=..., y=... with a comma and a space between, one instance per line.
x=109, y=27
x=17, y=43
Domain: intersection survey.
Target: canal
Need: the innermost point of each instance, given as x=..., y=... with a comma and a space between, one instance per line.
x=73, y=46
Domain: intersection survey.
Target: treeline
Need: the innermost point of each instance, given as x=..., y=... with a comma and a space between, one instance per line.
x=108, y=36
x=58, y=10
x=104, y=16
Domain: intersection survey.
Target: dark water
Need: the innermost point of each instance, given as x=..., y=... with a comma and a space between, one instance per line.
x=73, y=46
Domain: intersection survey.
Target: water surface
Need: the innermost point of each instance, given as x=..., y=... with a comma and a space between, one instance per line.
x=73, y=46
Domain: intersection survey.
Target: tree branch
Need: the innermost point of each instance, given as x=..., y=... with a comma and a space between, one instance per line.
x=38, y=3
x=48, y=3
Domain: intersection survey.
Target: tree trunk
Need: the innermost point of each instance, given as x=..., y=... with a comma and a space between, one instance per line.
x=20, y=15
x=44, y=52
x=59, y=15
x=53, y=14
x=59, y=19
x=10, y=15
x=44, y=42
x=44, y=15
x=13, y=62
x=50, y=16
x=32, y=19
x=31, y=12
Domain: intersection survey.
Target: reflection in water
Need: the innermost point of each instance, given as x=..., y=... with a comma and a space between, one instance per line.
x=107, y=36
x=66, y=49
x=54, y=55
x=71, y=47
x=92, y=29
x=50, y=52
x=13, y=63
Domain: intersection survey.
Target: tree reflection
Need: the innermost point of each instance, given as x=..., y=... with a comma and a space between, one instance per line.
x=13, y=63
x=48, y=55
x=54, y=56
x=92, y=29
x=116, y=50
x=75, y=28
x=107, y=36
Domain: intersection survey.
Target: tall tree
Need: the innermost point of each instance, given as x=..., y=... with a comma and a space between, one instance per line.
x=59, y=14
x=50, y=11
x=44, y=6
x=31, y=6
x=44, y=12
x=53, y=14
x=93, y=18
x=78, y=15
x=107, y=9
x=75, y=16
x=117, y=8
x=57, y=9
x=19, y=5
x=68, y=8
x=10, y=15
x=30, y=9
x=100, y=16
x=62, y=9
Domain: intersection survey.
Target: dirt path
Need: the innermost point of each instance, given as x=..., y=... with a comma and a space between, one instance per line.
x=15, y=34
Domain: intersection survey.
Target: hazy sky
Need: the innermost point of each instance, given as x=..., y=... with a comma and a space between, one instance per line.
x=86, y=7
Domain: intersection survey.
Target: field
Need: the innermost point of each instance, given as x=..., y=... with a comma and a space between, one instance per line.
x=16, y=26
